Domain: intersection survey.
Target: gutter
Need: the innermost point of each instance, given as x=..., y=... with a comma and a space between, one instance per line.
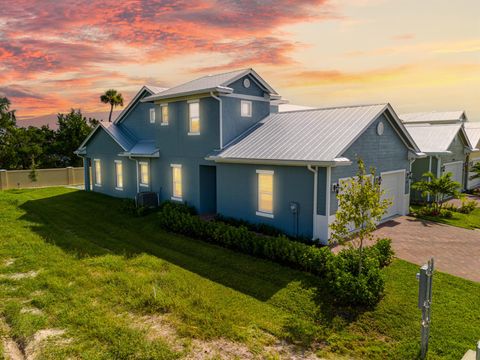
x=221, y=117
x=315, y=191
x=219, y=89
x=334, y=163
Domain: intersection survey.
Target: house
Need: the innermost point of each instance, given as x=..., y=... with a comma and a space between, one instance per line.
x=219, y=144
x=442, y=137
x=473, y=132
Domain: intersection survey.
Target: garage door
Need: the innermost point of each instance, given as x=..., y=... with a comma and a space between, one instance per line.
x=393, y=184
x=456, y=168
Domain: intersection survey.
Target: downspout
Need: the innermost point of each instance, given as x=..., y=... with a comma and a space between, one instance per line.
x=221, y=117
x=438, y=166
x=430, y=170
x=315, y=185
x=328, y=199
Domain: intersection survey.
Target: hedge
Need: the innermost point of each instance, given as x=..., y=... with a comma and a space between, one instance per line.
x=347, y=286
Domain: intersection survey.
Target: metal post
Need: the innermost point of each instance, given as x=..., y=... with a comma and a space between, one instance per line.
x=425, y=277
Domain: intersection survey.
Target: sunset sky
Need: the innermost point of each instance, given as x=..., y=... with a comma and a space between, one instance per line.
x=417, y=55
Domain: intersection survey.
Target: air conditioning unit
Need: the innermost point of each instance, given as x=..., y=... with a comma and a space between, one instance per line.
x=148, y=199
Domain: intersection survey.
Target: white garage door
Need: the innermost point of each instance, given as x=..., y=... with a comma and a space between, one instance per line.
x=393, y=184
x=456, y=168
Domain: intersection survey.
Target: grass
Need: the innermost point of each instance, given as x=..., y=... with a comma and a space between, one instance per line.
x=100, y=272
x=467, y=221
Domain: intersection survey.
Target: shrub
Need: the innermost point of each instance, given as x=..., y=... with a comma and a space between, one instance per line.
x=429, y=210
x=129, y=206
x=347, y=287
x=467, y=206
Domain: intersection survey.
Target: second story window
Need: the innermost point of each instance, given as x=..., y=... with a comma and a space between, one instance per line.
x=164, y=108
x=152, y=116
x=194, y=117
x=144, y=174
x=98, y=172
x=246, y=108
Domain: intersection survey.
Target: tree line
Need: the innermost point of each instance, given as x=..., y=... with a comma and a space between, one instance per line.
x=41, y=147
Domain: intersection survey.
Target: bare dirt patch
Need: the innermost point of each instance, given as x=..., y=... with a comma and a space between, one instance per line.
x=160, y=327
x=31, y=310
x=8, y=262
x=19, y=276
x=35, y=345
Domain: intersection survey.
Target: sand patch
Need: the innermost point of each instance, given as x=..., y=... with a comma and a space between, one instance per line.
x=31, y=310
x=8, y=262
x=19, y=276
x=159, y=327
x=35, y=345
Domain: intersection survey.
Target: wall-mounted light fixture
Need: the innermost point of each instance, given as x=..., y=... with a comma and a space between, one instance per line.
x=335, y=188
x=408, y=175
x=378, y=180
x=443, y=168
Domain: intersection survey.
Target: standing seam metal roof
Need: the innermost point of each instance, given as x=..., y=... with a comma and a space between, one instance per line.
x=473, y=133
x=307, y=135
x=433, y=138
x=432, y=116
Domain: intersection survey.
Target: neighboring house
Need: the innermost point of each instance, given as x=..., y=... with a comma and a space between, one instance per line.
x=473, y=132
x=217, y=143
x=442, y=137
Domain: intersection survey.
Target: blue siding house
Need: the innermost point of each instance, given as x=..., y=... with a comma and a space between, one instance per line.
x=220, y=144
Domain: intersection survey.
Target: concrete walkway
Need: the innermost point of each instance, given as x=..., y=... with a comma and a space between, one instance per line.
x=456, y=250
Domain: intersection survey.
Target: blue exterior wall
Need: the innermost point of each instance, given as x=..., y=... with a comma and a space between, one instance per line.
x=237, y=195
x=102, y=146
x=385, y=152
x=233, y=123
x=137, y=121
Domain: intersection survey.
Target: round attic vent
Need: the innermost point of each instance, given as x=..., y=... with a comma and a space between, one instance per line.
x=380, y=128
x=246, y=82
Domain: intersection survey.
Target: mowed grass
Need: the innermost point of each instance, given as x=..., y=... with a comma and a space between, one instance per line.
x=467, y=221
x=97, y=273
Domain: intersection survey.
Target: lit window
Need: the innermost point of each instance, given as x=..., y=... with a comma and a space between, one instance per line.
x=118, y=175
x=176, y=182
x=152, y=116
x=98, y=172
x=265, y=193
x=246, y=108
x=194, y=118
x=144, y=174
x=164, y=108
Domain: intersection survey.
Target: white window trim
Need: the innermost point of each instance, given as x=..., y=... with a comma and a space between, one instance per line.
x=95, y=174
x=116, y=177
x=190, y=133
x=140, y=163
x=162, y=123
x=241, y=108
x=176, y=198
x=152, y=111
x=263, y=213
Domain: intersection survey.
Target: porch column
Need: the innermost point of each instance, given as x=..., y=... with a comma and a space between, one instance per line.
x=86, y=173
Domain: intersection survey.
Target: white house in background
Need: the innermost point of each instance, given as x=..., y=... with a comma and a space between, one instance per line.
x=473, y=132
x=442, y=136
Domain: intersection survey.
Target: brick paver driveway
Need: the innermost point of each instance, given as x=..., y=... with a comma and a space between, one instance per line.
x=456, y=250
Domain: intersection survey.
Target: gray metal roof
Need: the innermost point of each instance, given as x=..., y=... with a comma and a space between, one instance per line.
x=217, y=82
x=123, y=139
x=143, y=148
x=473, y=132
x=433, y=116
x=433, y=138
x=155, y=89
x=316, y=136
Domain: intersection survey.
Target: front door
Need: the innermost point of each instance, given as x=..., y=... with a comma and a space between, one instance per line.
x=208, y=189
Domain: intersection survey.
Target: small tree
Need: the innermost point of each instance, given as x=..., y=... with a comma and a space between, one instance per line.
x=437, y=188
x=360, y=208
x=32, y=175
x=112, y=97
x=476, y=170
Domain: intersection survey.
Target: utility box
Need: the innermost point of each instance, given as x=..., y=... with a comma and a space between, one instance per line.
x=147, y=199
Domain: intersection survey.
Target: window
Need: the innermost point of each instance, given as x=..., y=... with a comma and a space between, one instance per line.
x=144, y=174
x=118, y=175
x=194, y=117
x=246, y=108
x=164, y=108
x=265, y=193
x=152, y=116
x=98, y=172
x=176, y=182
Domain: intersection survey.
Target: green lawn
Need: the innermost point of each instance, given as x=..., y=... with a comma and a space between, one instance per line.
x=121, y=288
x=467, y=221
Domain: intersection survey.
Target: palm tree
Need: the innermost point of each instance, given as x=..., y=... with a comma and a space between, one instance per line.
x=438, y=188
x=112, y=97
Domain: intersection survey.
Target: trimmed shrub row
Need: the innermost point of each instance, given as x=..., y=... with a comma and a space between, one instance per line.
x=346, y=285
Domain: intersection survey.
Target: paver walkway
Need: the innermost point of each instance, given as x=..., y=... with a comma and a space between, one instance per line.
x=456, y=250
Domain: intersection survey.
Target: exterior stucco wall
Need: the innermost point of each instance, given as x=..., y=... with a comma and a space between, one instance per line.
x=237, y=195
x=385, y=152
x=137, y=121
x=101, y=146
